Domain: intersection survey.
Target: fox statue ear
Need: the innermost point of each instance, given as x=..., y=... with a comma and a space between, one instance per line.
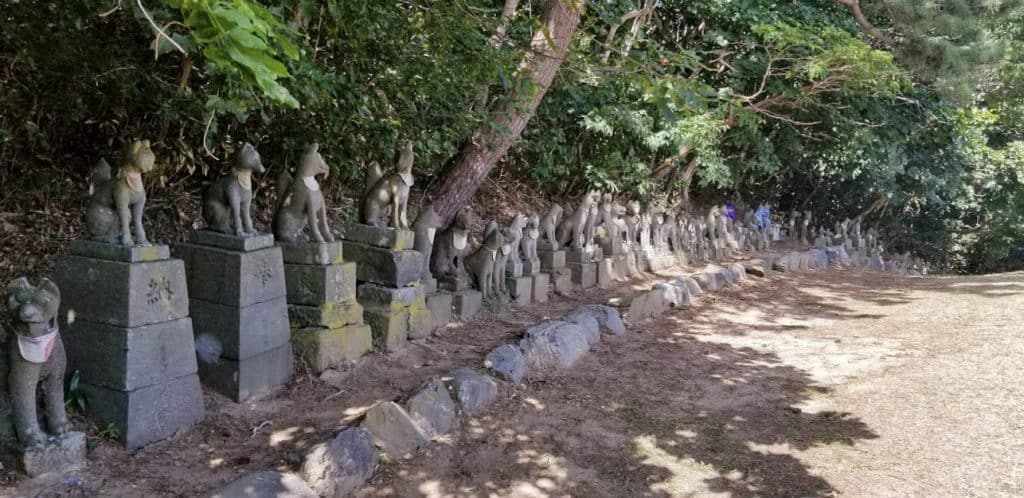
x=314, y=147
x=48, y=285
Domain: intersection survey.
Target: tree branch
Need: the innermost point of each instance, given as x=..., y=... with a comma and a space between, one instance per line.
x=854, y=6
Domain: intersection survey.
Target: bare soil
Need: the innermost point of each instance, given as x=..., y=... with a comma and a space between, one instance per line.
x=815, y=384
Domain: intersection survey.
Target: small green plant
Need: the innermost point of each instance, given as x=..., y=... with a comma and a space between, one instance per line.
x=494, y=305
x=110, y=432
x=74, y=397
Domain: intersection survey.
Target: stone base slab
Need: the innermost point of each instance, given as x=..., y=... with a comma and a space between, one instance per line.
x=378, y=297
x=327, y=315
x=453, y=284
x=421, y=322
x=390, y=329
x=149, y=414
x=584, y=275
x=531, y=267
x=467, y=303
x=521, y=289
x=440, y=306
x=127, y=359
x=116, y=252
x=58, y=454
x=232, y=242
x=586, y=255
x=232, y=278
x=312, y=253
x=514, y=268
x=312, y=285
x=387, y=267
x=329, y=348
x=606, y=273
x=123, y=294
x=387, y=238
x=563, y=283
x=243, y=332
x=551, y=260
x=251, y=378
x=539, y=287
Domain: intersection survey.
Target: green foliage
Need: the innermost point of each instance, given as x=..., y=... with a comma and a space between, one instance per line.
x=110, y=432
x=74, y=397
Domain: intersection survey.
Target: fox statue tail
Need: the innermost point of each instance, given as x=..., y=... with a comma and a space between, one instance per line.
x=100, y=174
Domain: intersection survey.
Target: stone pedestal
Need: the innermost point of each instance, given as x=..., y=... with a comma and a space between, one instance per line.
x=551, y=260
x=58, y=454
x=131, y=339
x=562, y=279
x=514, y=268
x=539, y=287
x=584, y=275
x=606, y=273
x=239, y=309
x=531, y=267
x=389, y=271
x=521, y=289
x=440, y=306
x=467, y=304
x=326, y=321
x=632, y=265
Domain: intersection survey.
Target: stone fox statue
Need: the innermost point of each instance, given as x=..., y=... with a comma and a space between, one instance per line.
x=480, y=264
x=451, y=246
x=548, y=226
x=530, y=235
x=227, y=202
x=391, y=191
x=36, y=356
x=117, y=201
x=571, y=230
x=300, y=203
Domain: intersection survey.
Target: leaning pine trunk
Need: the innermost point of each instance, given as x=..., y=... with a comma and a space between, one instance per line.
x=470, y=167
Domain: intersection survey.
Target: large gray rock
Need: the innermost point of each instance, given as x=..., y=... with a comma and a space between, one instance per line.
x=607, y=317
x=738, y=272
x=757, y=267
x=473, y=390
x=507, y=361
x=588, y=324
x=709, y=282
x=691, y=285
x=553, y=344
x=130, y=358
x=432, y=408
x=819, y=258
x=338, y=467
x=394, y=431
x=266, y=484
x=672, y=296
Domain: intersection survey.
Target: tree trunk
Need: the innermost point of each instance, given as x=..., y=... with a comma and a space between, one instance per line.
x=862, y=21
x=469, y=169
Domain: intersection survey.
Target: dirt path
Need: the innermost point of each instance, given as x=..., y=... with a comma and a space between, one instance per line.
x=820, y=384
x=824, y=383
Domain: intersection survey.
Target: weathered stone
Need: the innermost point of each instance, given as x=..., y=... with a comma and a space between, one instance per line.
x=709, y=281
x=394, y=431
x=563, y=283
x=756, y=267
x=692, y=286
x=432, y=408
x=232, y=278
x=267, y=484
x=327, y=253
x=473, y=390
x=521, y=289
x=390, y=328
x=249, y=378
x=313, y=285
x=539, y=287
x=514, y=268
x=588, y=324
x=739, y=273
x=58, y=454
x=148, y=414
x=331, y=315
x=323, y=348
x=453, y=283
x=819, y=258
x=231, y=242
x=553, y=344
x=429, y=285
x=620, y=267
x=531, y=267
x=673, y=296
x=606, y=274
x=243, y=332
x=387, y=267
x=421, y=322
x=377, y=297
x=123, y=294
x=468, y=304
x=507, y=361
x=640, y=306
x=129, y=359
x=440, y=306
x=115, y=252
x=584, y=275
x=340, y=466
x=607, y=317
x=384, y=237
x=580, y=256
x=551, y=260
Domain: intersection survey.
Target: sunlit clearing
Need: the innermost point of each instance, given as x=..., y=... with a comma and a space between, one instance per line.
x=686, y=476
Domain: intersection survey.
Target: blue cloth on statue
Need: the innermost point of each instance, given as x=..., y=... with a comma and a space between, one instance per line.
x=730, y=211
x=764, y=217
